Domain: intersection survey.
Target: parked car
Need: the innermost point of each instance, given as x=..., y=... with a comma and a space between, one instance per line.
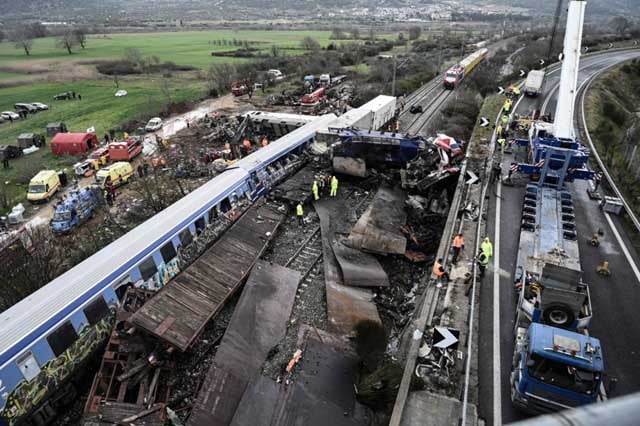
x=10, y=115
x=153, y=124
x=121, y=93
x=415, y=109
x=62, y=96
x=40, y=106
x=26, y=108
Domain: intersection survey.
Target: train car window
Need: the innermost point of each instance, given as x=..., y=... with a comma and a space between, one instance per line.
x=186, y=237
x=96, y=311
x=28, y=365
x=254, y=177
x=225, y=205
x=200, y=225
x=168, y=252
x=213, y=214
x=62, y=338
x=148, y=268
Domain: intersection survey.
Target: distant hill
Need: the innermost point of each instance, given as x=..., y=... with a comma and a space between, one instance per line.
x=190, y=10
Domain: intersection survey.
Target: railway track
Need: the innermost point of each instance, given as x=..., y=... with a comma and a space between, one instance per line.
x=307, y=255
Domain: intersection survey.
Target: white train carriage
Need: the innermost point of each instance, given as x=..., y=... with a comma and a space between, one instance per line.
x=46, y=338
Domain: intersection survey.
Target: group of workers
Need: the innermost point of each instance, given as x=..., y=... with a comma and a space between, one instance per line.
x=318, y=187
x=322, y=182
x=484, y=256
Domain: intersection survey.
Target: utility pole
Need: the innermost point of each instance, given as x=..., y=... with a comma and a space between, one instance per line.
x=393, y=83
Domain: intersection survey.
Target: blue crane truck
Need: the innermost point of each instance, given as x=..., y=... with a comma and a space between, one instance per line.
x=556, y=365
x=74, y=210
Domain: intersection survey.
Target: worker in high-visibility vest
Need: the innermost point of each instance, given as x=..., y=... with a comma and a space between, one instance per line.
x=334, y=186
x=504, y=119
x=499, y=130
x=516, y=91
x=300, y=214
x=458, y=246
x=487, y=247
x=439, y=271
x=483, y=262
x=502, y=142
x=315, y=190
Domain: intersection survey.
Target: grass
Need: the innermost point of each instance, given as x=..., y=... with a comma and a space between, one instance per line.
x=8, y=75
x=490, y=109
x=98, y=108
x=185, y=48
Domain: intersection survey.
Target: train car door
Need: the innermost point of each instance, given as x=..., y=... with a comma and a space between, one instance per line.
x=28, y=365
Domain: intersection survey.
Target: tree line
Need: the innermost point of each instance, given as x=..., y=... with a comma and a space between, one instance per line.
x=23, y=36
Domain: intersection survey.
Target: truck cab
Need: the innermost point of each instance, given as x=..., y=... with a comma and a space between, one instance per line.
x=555, y=369
x=77, y=208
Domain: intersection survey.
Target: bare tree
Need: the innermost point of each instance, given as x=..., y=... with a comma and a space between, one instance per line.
x=414, y=33
x=67, y=41
x=23, y=39
x=309, y=43
x=80, y=34
x=337, y=34
x=619, y=24
x=133, y=56
x=220, y=76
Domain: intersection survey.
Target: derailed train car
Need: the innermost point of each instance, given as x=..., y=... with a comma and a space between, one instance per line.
x=47, y=338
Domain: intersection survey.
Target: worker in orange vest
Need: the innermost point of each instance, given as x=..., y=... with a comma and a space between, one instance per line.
x=458, y=245
x=439, y=270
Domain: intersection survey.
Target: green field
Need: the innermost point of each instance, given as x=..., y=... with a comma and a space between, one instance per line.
x=98, y=108
x=185, y=48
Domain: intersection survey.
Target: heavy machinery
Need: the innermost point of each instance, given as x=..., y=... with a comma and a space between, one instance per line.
x=75, y=209
x=556, y=364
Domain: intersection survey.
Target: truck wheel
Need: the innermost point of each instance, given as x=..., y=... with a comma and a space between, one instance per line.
x=558, y=315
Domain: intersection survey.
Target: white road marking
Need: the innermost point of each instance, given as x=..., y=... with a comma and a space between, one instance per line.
x=497, y=372
x=625, y=250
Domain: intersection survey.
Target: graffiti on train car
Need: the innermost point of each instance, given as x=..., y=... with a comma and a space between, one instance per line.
x=166, y=272
x=27, y=395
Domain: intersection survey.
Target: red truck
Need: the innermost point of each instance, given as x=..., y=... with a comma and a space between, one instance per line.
x=314, y=98
x=239, y=88
x=125, y=150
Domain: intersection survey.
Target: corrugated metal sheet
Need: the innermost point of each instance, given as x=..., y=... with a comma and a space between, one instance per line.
x=379, y=228
x=259, y=322
x=181, y=308
x=346, y=306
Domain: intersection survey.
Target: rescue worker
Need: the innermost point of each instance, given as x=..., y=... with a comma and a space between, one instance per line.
x=439, y=270
x=595, y=240
x=487, y=247
x=314, y=189
x=334, y=186
x=499, y=130
x=516, y=91
x=501, y=142
x=496, y=172
x=504, y=119
x=458, y=245
x=483, y=262
x=300, y=214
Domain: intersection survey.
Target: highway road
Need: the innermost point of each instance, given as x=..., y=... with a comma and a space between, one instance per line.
x=616, y=299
